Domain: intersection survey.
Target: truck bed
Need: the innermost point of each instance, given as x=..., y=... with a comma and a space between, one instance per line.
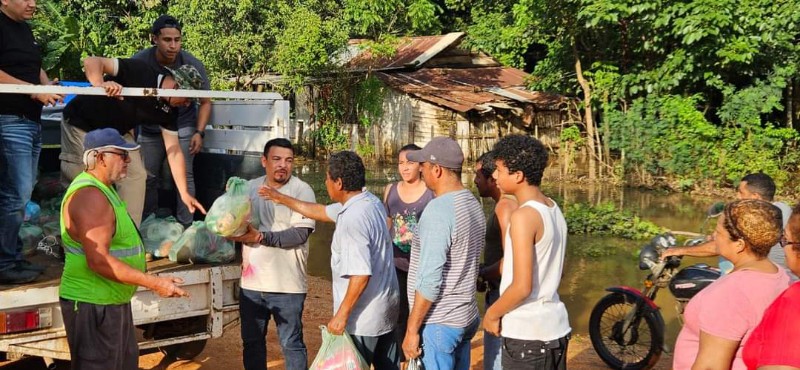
x=52, y=274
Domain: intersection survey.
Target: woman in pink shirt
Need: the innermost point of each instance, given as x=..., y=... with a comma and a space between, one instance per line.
x=720, y=319
x=776, y=340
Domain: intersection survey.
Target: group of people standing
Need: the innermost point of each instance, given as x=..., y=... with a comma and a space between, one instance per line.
x=405, y=267
x=171, y=128
x=746, y=319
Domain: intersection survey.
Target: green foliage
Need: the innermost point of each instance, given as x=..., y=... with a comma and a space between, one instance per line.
x=304, y=48
x=664, y=135
x=689, y=90
x=606, y=219
x=572, y=134
x=369, y=95
x=71, y=31
x=375, y=19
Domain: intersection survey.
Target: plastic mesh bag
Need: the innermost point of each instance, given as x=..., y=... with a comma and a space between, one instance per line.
x=338, y=353
x=159, y=234
x=199, y=245
x=230, y=213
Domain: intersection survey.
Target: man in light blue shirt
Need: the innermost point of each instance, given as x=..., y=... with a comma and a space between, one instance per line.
x=365, y=292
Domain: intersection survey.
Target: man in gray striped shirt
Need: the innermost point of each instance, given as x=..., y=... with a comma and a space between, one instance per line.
x=444, y=263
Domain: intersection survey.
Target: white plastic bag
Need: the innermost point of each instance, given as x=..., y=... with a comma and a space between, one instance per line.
x=338, y=353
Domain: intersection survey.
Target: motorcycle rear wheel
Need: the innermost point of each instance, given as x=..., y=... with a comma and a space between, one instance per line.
x=638, y=347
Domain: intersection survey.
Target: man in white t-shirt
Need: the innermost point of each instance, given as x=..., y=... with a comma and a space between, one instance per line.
x=274, y=256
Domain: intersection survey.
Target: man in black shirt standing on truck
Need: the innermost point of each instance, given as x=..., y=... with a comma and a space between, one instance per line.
x=20, y=134
x=86, y=113
x=166, y=51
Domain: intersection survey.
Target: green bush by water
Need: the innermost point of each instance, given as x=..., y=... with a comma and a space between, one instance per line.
x=606, y=220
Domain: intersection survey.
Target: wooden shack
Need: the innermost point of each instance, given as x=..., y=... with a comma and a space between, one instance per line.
x=435, y=87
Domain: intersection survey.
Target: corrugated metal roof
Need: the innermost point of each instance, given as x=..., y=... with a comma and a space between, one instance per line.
x=411, y=53
x=466, y=89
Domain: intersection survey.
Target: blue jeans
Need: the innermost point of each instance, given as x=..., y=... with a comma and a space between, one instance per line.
x=20, y=145
x=447, y=347
x=491, y=344
x=255, y=310
x=154, y=153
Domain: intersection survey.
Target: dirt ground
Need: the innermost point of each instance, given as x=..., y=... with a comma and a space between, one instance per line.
x=226, y=352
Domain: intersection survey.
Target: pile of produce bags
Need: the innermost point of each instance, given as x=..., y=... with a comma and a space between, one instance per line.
x=199, y=245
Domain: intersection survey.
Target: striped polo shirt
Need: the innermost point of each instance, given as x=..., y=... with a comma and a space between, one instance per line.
x=444, y=258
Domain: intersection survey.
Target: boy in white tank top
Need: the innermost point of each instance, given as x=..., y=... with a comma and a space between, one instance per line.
x=529, y=314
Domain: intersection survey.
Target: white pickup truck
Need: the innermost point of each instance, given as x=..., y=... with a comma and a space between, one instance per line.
x=30, y=316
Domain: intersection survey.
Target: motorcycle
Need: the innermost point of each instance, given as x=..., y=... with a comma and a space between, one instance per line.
x=626, y=326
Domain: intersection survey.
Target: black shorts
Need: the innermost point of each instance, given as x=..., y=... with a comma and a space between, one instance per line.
x=100, y=337
x=534, y=354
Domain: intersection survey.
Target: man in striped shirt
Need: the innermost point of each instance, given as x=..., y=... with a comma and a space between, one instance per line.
x=444, y=263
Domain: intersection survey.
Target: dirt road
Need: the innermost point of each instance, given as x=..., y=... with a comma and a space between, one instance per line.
x=226, y=352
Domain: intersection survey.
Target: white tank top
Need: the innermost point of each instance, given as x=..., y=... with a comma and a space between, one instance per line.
x=541, y=316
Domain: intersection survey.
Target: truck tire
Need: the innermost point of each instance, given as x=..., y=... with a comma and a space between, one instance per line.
x=184, y=351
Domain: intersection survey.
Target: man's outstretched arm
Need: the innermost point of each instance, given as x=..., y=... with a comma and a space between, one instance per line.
x=313, y=211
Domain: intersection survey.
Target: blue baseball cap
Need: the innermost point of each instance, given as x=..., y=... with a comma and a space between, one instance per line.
x=106, y=138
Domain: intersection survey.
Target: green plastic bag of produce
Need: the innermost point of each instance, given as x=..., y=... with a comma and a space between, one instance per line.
x=230, y=213
x=199, y=245
x=338, y=353
x=159, y=234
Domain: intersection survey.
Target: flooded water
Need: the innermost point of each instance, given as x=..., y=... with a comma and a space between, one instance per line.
x=584, y=279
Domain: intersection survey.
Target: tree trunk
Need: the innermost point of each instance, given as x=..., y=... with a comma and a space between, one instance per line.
x=588, y=116
x=789, y=105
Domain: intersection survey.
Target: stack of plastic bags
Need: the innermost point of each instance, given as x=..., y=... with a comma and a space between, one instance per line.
x=200, y=245
x=230, y=213
x=159, y=234
x=338, y=353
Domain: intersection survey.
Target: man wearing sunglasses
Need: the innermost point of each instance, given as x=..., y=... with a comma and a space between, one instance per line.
x=166, y=37
x=87, y=112
x=104, y=259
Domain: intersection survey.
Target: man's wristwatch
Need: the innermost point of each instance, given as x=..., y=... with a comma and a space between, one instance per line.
x=201, y=133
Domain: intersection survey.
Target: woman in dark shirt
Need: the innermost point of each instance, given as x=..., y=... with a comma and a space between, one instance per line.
x=405, y=200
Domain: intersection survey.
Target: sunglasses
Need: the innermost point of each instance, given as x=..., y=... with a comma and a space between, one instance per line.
x=784, y=242
x=123, y=155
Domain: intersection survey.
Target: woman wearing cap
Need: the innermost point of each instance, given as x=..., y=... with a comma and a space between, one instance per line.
x=775, y=341
x=720, y=319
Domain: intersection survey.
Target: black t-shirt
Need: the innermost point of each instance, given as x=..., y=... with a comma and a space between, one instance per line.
x=21, y=58
x=89, y=112
x=187, y=116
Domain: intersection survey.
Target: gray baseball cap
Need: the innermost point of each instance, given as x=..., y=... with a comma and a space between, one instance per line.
x=441, y=150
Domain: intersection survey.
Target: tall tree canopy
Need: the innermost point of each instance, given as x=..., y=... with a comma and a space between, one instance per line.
x=694, y=90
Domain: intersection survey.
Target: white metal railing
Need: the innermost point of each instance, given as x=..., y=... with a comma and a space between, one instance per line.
x=137, y=91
